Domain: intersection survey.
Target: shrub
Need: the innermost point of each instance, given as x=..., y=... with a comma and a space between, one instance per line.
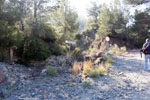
x=98, y=71
x=102, y=69
x=51, y=71
x=94, y=72
x=56, y=49
x=115, y=50
x=86, y=83
x=107, y=59
x=34, y=49
x=44, y=32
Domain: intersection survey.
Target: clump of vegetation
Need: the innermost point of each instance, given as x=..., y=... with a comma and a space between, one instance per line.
x=107, y=59
x=56, y=49
x=87, y=65
x=94, y=73
x=115, y=50
x=34, y=49
x=51, y=71
x=91, y=71
x=33, y=37
x=86, y=83
x=98, y=71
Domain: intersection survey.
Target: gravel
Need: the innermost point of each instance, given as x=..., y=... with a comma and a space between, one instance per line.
x=126, y=80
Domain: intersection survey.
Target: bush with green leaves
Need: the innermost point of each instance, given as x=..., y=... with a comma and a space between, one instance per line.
x=107, y=59
x=94, y=73
x=116, y=50
x=44, y=32
x=56, y=49
x=34, y=49
x=51, y=71
x=86, y=83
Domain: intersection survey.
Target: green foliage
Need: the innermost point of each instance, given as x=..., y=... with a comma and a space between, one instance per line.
x=51, y=71
x=104, y=21
x=115, y=50
x=91, y=71
x=98, y=71
x=56, y=49
x=45, y=32
x=86, y=83
x=91, y=24
x=94, y=10
x=140, y=30
x=94, y=73
x=29, y=27
x=35, y=49
x=108, y=59
x=7, y=34
x=65, y=21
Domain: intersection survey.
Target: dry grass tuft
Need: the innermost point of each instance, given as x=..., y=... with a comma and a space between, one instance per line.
x=89, y=70
x=87, y=65
x=115, y=50
x=76, y=69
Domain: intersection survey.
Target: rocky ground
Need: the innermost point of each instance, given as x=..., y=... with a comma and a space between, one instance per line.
x=126, y=80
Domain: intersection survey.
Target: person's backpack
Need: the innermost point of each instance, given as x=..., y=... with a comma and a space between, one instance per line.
x=147, y=49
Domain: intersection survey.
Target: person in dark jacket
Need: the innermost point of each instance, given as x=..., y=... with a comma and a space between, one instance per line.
x=147, y=55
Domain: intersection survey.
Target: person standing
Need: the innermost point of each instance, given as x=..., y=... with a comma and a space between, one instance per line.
x=146, y=50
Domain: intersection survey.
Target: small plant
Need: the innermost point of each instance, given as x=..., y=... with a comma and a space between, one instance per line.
x=51, y=71
x=115, y=50
x=86, y=83
x=94, y=73
x=107, y=59
x=98, y=71
x=102, y=69
x=91, y=71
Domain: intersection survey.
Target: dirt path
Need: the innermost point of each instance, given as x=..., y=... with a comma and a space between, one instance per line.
x=133, y=80
x=126, y=80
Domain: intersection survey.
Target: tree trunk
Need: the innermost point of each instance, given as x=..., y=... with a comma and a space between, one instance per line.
x=22, y=25
x=35, y=11
x=11, y=53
